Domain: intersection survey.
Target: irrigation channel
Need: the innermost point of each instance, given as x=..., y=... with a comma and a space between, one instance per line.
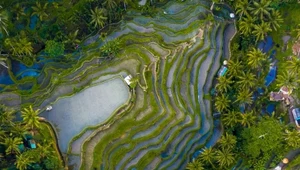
x=161, y=124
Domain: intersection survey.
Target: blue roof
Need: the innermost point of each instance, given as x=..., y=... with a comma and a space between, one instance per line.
x=32, y=144
x=266, y=45
x=222, y=71
x=271, y=76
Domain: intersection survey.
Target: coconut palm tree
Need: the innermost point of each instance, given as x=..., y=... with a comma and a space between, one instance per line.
x=11, y=145
x=19, y=130
x=44, y=150
x=246, y=25
x=227, y=141
x=247, y=119
x=275, y=20
x=6, y=116
x=71, y=39
x=288, y=79
x=225, y=157
x=19, y=46
x=292, y=138
x=231, y=118
x=244, y=96
x=246, y=80
x=3, y=21
x=294, y=65
x=222, y=102
x=207, y=156
x=261, y=9
x=40, y=10
x=224, y=84
x=195, y=165
x=234, y=67
x=109, y=4
x=256, y=58
x=31, y=118
x=24, y=47
x=98, y=18
x=23, y=161
x=241, y=7
x=261, y=30
x=19, y=11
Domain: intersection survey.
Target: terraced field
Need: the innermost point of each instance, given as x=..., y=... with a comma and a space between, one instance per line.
x=176, y=55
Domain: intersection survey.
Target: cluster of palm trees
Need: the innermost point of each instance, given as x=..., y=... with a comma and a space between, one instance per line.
x=62, y=21
x=220, y=157
x=12, y=136
x=237, y=86
x=257, y=17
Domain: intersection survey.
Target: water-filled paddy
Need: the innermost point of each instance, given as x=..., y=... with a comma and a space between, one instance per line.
x=90, y=107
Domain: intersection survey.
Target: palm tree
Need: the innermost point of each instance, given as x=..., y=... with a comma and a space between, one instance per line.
x=246, y=25
x=19, y=11
x=19, y=46
x=231, y=118
x=19, y=130
x=246, y=80
x=23, y=161
x=71, y=38
x=292, y=138
x=227, y=141
x=40, y=10
x=276, y=20
x=11, y=145
x=247, y=119
x=195, y=165
x=261, y=30
x=241, y=7
x=24, y=47
x=222, y=103
x=288, y=79
x=261, y=9
x=294, y=65
x=244, y=96
x=234, y=67
x=224, y=84
x=225, y=157
x=31, y=118
x=109, y=4
x=256, y=58
x=208, y=156
x=98, y=18
x=44, y=150
x=3, y=21
x=6, y=116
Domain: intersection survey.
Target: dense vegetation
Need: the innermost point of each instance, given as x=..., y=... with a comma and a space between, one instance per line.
x=28, y=27
x=15, y=149
x=258, y=141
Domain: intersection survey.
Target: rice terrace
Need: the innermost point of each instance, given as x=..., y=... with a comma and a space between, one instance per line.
x=150, y=84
